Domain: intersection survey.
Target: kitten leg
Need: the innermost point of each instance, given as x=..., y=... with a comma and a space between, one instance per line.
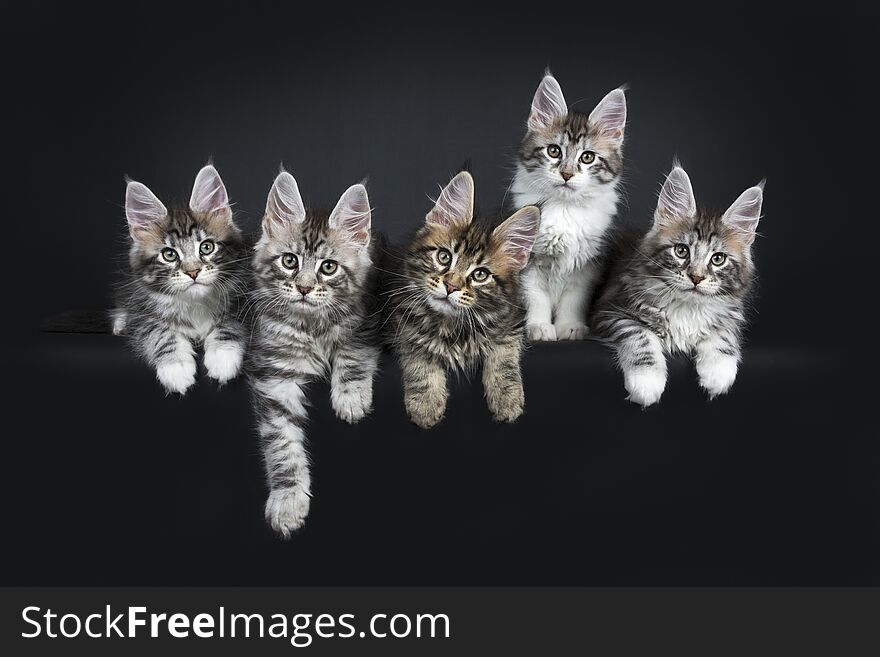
x=351, y=380
x=224, y=351
x=118, y=320
x=539, y=306
x=640, y=356
x=571, y=312
x=280, y=405
x=171, y=353
x=717, y=360
x=424, y=390
x=502, y=381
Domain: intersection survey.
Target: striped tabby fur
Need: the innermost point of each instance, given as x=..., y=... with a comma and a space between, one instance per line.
x=310, y=307
x=454, y=303
x=184, y=282
x=682, y=288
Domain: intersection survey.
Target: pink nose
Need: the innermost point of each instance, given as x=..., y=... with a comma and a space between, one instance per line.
x=450, y=288
x=696, y=278
x=303, y=290
x=566, y=176
x=192, y=273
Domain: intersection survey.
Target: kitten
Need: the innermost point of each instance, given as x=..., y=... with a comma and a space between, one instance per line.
x=569, y=165
x=184, y=282
x=456, y=302
x=313, y=278
x=683, y=289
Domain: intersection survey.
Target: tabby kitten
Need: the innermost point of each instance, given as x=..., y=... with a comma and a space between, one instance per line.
x=456, y=302
x=683, y=289
x=569, y=165
x=183, y=284
x=313, y=279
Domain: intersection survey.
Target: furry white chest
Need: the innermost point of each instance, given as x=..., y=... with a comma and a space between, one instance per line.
x=689, y=321
x=570, y=236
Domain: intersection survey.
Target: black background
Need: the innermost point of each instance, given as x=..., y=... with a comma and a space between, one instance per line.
x=106, y=481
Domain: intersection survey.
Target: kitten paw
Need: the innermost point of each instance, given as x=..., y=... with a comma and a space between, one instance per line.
x=645, y=386
x=507, y=408
x=425, y=411
x=353, y=403
x=286, y=509
x=177, y=375
x=541, y=332
x=717, y=377
x=223, y=361
x=119, y=320
x=571, y=331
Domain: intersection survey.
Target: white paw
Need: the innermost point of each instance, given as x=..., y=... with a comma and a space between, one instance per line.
x=541, y=332
x=119, y=320
x=177, y=375
x=352, y=404
x=645, y=386
x=223, y=361
x=286, y=509
x=717, y=375
x=571, y=331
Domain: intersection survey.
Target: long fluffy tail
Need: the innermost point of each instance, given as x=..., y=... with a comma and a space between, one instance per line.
x=78, y=321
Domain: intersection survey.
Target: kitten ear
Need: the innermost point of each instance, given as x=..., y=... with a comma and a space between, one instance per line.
x=547, y=105
x=142, y=208
x=209, y=194
x=517, y=234
x=745, y=212
x=352, y=214
x=676, y=198
x=284, y=206
x=456, y=202
x=610, y=115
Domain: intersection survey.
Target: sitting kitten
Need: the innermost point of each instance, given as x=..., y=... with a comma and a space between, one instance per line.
x=456, y=302
x=683, y=289
x=184, y=282
x=313, y=278
x=569, y=165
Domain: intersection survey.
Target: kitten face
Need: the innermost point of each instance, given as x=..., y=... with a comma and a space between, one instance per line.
x=189, y=251
x=313, y=263
x=459, y=265
x=695, y=252
x=567, y=155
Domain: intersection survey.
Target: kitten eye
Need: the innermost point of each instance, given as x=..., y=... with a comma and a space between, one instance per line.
x=554, y=151
x=329, y=267
x=444, y=257
x=169, y=254
x=289, y=261
x=719, y=259
x=681, y=250
x=207, y=247
x=588, y=157
x=480, y=274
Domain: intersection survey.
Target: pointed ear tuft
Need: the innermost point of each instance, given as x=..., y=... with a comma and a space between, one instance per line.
x=676, y=198
x=284, y=206
x=610, y=115
x=548, y=104
x=352, y=214
x=209, y=193
x=745, y=213
x=456, y=202
x=517, y=234
x=142, y=208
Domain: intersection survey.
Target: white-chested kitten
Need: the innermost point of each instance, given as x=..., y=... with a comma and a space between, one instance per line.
x=183, y=284
x=569, y=166
x=682, y=288
x=311, y=308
